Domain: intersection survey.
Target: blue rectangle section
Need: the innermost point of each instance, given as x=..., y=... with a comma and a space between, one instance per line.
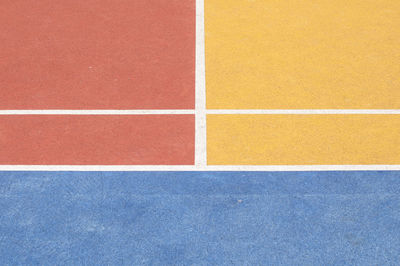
x=200, y=218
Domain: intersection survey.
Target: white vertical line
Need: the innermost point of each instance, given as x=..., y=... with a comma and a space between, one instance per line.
x=201, y=132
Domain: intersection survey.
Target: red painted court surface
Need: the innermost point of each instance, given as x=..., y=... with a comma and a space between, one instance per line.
x=97, y=54
x=97, y=140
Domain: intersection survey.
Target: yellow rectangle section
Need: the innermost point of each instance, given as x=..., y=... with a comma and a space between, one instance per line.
x=303, y=139
x=296, y=54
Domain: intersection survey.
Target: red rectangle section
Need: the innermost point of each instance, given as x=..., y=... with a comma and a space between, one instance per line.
x=97, y=54
x=97, y=139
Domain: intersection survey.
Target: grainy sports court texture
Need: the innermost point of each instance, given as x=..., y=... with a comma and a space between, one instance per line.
x=199, y=132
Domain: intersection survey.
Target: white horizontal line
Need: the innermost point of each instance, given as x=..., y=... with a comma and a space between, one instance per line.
x=305, y=111
x=192, y=111
x=199, y=168
x=95, y=112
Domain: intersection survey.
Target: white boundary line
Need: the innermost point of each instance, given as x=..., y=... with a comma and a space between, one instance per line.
x=201, y=131
x=180, y=168
x=95, y=112
x=200, y=111
x=305, y=111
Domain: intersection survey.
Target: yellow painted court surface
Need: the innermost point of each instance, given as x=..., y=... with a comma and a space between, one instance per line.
x=296, y=54
x=303, y=139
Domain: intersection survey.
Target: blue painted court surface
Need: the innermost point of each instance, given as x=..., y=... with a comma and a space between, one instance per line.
x=199, y=218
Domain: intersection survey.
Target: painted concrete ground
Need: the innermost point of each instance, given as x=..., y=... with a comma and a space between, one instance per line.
x=199, y=218
x=203, y=85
